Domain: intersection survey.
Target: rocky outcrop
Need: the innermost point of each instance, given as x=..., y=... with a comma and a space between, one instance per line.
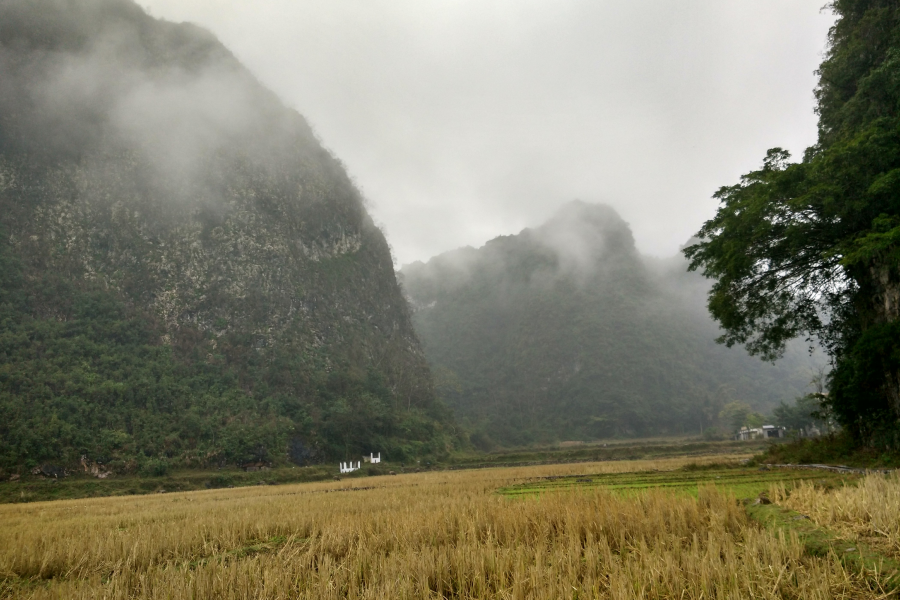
x=95, y=469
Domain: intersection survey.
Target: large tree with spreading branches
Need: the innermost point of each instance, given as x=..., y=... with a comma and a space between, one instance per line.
x=812, y=248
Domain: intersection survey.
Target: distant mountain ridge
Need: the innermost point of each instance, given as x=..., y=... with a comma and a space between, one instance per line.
x=189, y=277
x=565, y=331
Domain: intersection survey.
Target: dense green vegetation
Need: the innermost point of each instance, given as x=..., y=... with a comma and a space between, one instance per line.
x=565, y=332
x=840, y=448
x=99, y=384
x=811, y=248
x=187, y=278
x=804, y=414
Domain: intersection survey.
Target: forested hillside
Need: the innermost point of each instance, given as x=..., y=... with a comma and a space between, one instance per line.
x=186, y=276
x=812, y=248
x=566, y=332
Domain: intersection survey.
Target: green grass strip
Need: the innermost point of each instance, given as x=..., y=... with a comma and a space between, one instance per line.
x=820, y=541
x=741, y=482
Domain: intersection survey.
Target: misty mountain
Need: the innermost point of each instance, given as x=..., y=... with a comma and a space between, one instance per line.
x=566, y=332
x=186, y=275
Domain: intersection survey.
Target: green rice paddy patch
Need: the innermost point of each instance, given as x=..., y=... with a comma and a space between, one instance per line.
x=743, y=482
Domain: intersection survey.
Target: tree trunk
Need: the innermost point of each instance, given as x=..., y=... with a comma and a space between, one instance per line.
x=886, y=305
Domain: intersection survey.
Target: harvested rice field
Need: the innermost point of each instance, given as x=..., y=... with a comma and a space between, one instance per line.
x=668, y=528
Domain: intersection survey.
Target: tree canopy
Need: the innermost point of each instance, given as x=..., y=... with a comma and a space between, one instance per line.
x=810, y=248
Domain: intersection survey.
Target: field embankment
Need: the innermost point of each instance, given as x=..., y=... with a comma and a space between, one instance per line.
x=28, y=487
x=739, y=481
x=445, y=534
x=636, y=449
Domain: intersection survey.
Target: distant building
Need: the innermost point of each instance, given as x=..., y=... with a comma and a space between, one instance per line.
x=764, y=432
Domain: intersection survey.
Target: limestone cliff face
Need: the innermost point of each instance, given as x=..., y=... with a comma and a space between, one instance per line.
x=279, y=268
x=139, y=157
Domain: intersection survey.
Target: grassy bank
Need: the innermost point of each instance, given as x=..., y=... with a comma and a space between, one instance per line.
x=33, y=488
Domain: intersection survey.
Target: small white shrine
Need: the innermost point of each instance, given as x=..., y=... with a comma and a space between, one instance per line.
x=349, y=468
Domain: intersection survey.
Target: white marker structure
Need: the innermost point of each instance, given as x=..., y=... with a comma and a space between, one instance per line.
x=349, y=468
x=374, y=459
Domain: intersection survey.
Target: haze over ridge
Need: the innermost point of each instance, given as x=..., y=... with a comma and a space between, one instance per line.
x=565, y=331
x=466, y=120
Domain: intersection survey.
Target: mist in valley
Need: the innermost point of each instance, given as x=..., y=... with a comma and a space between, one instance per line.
x=566, y=331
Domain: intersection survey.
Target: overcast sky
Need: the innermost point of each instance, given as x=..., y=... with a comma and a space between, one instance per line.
x=462, y=120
